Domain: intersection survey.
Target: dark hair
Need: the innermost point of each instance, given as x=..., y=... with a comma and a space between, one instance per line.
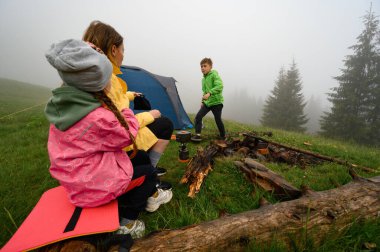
x=103, y=36
x=104, y=99
x=206, y=61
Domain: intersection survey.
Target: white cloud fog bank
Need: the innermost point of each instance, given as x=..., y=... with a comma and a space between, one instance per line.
x=249, y=41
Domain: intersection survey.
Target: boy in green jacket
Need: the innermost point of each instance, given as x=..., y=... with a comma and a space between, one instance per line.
x=212, y=87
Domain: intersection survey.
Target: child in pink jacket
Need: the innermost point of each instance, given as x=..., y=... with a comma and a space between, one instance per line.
x=86, y=137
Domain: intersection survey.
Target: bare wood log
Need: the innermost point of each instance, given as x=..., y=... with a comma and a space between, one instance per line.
x=263, y=202
x=268, y=180
x=198, y=168
x=266, y=186
x=306, y=190
x=314, y=214
x=255, y=165
x=68, y=246
x=327, y=158
x=292, y=157
x=186, y=175
x=243, y=150
x=195, y=186
x=221, y=144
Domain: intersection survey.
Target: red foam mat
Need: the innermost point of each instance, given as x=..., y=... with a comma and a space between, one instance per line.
x=49, y=218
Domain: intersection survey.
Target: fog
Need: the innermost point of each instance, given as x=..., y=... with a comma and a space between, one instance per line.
x=249, y=41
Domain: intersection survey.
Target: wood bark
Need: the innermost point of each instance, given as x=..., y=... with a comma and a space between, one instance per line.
x=269, y=181
x=198, y=168
x=312, y=216
x=327, y=158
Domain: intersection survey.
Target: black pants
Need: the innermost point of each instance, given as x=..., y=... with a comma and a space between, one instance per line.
x=217, y=111
x=162, y=128
x=134, y=201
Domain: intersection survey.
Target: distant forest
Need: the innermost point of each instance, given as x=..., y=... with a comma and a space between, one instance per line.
x=354, y=114
x=245, y=107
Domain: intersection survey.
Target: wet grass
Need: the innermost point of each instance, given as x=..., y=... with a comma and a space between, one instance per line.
x=24, y=176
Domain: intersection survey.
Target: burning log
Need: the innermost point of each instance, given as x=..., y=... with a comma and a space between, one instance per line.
x=198, y=168
x=316, y=214
x=268, y=180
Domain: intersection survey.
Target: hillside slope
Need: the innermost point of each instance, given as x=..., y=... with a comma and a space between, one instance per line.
x=24, y=173
x=16, y=95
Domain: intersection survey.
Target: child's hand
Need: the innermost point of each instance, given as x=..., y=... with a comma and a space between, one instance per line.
x=155, y=113
x=136, y=94
x=206, y=96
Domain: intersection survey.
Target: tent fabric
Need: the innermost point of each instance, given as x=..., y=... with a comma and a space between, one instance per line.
x=161, y=92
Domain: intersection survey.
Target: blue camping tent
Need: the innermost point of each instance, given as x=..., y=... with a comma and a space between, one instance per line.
x=160, y=91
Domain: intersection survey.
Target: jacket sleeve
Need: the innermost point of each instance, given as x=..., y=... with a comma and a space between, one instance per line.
x=130, y=95
x=217, y=86
x=144, y=118
x=114, y=136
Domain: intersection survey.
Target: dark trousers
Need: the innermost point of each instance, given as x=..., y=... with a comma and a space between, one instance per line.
x=162, y=128
x=134, y=201
x=217, y=112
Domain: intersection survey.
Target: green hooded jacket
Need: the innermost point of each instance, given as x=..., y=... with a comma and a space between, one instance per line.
x=213, y=84
x=69, y=105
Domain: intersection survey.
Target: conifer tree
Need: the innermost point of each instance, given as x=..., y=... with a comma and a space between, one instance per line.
x=283, y=109
x=355, y=112
x=271, y=110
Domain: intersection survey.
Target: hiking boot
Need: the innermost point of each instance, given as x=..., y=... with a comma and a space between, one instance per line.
x=196, y=138
x=163, y=185
x=160, y=171
x=160, y=197
x=135, y=228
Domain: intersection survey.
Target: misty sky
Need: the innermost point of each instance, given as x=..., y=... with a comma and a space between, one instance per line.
x=249, y=41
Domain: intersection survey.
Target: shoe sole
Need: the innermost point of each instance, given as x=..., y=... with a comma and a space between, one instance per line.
x=161, y=174
x=155, y=207
x=134, y=233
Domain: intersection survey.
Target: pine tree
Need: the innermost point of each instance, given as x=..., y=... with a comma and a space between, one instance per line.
x=271, y=111
x=258, y=111
x=284, y=107
x=355, y=112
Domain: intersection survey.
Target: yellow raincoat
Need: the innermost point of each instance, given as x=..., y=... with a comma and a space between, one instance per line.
x=118, y=93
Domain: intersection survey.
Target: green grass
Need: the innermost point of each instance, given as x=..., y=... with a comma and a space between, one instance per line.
x=16, y=96
x=24, y=175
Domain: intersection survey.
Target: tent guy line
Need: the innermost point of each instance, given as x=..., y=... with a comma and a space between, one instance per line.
x=23, y=110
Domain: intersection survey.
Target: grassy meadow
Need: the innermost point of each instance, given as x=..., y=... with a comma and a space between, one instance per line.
x=24, y=174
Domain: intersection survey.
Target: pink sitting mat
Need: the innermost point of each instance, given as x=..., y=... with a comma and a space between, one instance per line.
x=49, y=218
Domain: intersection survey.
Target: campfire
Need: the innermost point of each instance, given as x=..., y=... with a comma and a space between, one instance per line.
x=256, y=150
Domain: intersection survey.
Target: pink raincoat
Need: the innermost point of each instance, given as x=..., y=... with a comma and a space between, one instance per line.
x=87, y=159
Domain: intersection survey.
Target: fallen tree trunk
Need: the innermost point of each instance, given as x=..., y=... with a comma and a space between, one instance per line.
x=313, y=215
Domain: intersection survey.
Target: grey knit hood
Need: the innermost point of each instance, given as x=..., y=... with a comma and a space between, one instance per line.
x=79, y=65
